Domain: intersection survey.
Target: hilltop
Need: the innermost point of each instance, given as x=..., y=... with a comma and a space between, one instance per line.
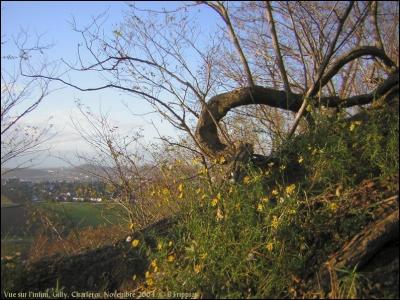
x=321, y=223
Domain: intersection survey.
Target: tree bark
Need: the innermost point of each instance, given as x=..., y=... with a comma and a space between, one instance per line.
x=219, y=105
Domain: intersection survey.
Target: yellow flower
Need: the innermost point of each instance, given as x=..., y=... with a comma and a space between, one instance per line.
x=222, y=160
x=159, y=245
x=270, y=246
x=180, y=188
x=301, y=159
x=154, y=263
x=354, y=124
x=149, y=281
x=203, y=171
x=292, y=211
x=275, y=192
x=197, y=269
x=135, y=243
x=246, y=180
x=195, y=161
x=333, y=206
x=309, y=108
x=165, y=191
x=171, y=258
x=219, y=196
x=260, y=207
x=264, y=199
x=290, y=189
x=214, y=202
x=275, y=222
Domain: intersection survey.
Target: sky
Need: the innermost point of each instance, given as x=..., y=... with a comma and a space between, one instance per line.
x=51, y=20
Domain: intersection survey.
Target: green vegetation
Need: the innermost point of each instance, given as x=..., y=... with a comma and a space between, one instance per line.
x=83, y=214
x=262, y=237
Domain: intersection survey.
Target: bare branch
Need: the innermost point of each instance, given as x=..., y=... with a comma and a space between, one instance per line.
x=277, y=48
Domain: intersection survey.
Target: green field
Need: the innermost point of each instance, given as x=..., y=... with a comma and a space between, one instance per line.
x=16, y=235
x=85, y=214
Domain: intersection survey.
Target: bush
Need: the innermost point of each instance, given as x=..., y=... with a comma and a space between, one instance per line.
x=258, y=238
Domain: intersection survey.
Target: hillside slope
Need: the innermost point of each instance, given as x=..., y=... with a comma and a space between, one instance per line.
x=332, y=194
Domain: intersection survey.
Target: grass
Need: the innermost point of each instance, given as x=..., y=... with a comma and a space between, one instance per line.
x=84, y=214
x=260, y=238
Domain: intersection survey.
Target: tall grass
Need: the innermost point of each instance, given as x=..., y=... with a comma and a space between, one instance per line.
x=263, y=236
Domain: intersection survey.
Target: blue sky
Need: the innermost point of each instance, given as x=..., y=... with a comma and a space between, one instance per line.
x=52, y=20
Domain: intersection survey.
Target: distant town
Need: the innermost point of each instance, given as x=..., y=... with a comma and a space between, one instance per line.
x=62, y=185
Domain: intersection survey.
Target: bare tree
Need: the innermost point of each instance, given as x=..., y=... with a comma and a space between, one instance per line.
x=293, y=55
x=19, y=97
